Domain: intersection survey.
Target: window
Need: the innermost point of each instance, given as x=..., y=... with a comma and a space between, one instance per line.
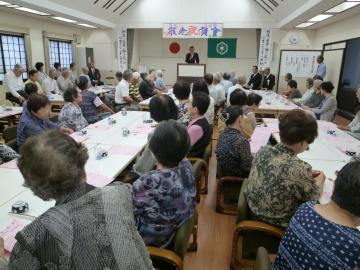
x=12, y=51
x=60, y=51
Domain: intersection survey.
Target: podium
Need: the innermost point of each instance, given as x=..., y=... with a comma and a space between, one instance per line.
x=190, y=72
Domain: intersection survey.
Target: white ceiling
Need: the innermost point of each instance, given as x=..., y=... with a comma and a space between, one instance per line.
x=109, y=13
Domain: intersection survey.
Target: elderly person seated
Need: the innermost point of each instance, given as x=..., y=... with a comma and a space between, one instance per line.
x=71, y=115
x=49, y=84
x=147, y=88
x=33, y=78
x=217, y=92
x=253, y=103
x=64, y=81
x=165, y=198
x=316, y=97
x=328, y=106
x=162, y=108
x=86, y=222
x=35, y=119
x=14, y=85
x=226, y=82
x=240, y=83
x=41, y=74
x=181, y=90
x=307, y=94
x=354, y=127
x=199, y=128
x=269, y=80
x=134, y=87
x=201, y=86
x=233, y=149
x=90, y=102
x=159, y=82
x=122, y=93
x=85, y=73
x=279, y=181
x=326, y=235
x=292, y=91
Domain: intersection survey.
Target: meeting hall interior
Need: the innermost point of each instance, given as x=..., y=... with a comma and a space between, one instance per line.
x=180, y=134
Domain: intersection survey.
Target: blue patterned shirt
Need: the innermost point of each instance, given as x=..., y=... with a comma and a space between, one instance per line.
x=313, y=242
x=163, y=201
x=30, y=125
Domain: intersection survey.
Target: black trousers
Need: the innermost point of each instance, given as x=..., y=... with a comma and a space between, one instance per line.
x=13, y=99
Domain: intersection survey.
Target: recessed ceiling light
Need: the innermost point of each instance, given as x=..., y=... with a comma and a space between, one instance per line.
x=320, y=18
x=305, y=24
x=12, y=6
x=342, y=7
x=2, y=3
x=64, y=19
x=86, y=25
x=32, y=11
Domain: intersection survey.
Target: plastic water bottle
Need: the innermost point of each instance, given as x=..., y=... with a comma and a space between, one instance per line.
x=124, y=111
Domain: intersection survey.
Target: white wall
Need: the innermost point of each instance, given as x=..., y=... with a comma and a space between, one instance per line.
x=345, y=29
x=154, y=52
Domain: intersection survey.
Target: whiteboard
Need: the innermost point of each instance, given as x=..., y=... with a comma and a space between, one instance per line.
x=301, y=64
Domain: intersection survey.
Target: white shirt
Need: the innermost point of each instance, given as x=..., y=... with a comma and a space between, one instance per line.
x=12, y=84
x=218, y=93
x=63, y=83
x=230, y=90
x=50, y=86
x=42, y=76
x=122, y=90
x=305, y=97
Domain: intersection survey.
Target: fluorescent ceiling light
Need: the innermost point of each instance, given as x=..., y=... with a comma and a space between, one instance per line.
x=86, y=25
x=305, y=24
x=342, y=7
x=320, y=18
x=32, y=11
x=64, y=19
x=2, y=3
x=12, y=6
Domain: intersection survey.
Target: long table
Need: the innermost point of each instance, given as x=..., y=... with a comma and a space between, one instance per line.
x=272, y=103
x=100, y=136
x=57, y=100
x=326, y=153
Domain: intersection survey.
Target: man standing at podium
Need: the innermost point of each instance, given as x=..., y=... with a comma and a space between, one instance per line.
x=192, y=57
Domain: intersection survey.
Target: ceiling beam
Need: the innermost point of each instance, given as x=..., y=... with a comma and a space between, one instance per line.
x=60, y=10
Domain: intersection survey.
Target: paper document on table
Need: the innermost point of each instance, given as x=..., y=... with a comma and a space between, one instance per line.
x=142, y=128
x=79, y=138
x=9, y=233
x=126, y=150
x=259, y=138
x=97, y=180
x=98, y=126
x=10, y=165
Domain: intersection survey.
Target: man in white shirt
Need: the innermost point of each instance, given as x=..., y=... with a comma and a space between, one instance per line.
x=218, y=90
x=321, y=70
x=122, y=97
x=73, y=72
x=64, y=81
x=14, y=84
x=50, y=85
x=240, y=83
x=226, y=82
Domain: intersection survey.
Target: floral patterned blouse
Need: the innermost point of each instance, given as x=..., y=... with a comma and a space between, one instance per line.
x=163, y=201
x=184, y=116
x=233, y=153
x=71, y=117
x=278, y=183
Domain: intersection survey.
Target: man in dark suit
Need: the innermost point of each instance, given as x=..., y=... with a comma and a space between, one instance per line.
x=255, y=79
x=269, y=80
x=94, y=75
x=192, y=57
